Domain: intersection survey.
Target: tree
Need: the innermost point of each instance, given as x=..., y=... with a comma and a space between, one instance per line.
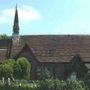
x=10, y=62
x=25, y=67
x=4, y=36
x=6, y=71
x=17, y=71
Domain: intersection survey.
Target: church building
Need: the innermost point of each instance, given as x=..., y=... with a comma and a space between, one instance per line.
x=64, y=56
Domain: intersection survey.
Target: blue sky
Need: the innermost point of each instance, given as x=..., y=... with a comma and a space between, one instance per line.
x=46, y=16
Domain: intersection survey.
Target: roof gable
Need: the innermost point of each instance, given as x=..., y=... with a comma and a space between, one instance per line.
x=78, y=66
x=25, y=48
x=27, y=53
x=77, y=63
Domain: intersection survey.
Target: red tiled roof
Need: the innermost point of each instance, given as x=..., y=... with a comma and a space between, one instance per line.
x=56, y=48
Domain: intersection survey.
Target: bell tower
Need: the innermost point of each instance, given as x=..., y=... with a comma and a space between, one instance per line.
x=15, y=34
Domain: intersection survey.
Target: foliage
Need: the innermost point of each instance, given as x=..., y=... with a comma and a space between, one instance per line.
x=48, y=84
x=19, y=69
x=13, y=87
x=55, y=84
x=24, y=67
x=79, y=67
x=45, y=74
x=10, y=62
x=4, y=36
x=6, y=71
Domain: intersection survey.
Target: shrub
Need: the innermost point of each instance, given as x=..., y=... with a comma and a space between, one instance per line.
x=45, y=74
x=48, y=84
x=55, y=84
x=25, y=67
x=6, y=71
x=17, y=71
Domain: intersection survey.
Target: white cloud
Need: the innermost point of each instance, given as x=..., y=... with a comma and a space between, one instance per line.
x=29, y=13
x=26, y=13
x=74, y=26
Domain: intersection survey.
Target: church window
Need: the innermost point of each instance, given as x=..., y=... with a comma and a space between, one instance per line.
x=73, y=76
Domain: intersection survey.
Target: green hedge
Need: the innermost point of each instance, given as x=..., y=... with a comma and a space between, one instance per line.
x=48, y=84
x=3, y=87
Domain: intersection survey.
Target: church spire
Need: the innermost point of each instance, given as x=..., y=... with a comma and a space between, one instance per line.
x=15, y=35
x=16, y=23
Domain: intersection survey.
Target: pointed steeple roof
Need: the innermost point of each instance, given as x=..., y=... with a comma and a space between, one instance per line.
x=16, y=23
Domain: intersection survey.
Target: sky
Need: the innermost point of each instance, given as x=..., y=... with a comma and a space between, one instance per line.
x=42, y=17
